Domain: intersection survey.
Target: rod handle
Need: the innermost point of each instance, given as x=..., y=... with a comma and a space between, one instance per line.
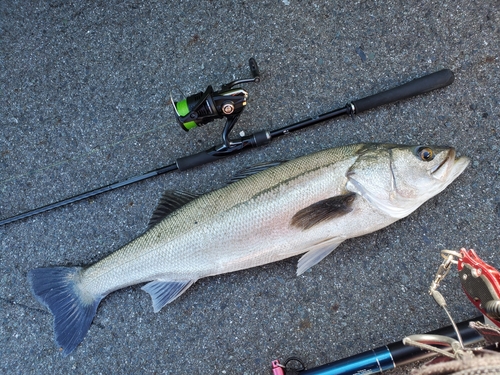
x=418, y=86
x=195, y=160
x=257, y=139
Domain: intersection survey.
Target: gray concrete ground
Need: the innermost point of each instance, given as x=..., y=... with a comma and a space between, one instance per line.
x=84, y=102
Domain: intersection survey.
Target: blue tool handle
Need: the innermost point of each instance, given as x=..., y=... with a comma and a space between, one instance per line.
x=371, y=362
x=395, y=354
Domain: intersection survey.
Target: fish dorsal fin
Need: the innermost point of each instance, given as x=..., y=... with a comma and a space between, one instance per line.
x=163, y=292
x=323, y=210
x=255, y=169
x=170, y=201
x=317, y=254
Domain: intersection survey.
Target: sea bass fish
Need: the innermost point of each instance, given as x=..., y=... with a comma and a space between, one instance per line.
x=308, y=205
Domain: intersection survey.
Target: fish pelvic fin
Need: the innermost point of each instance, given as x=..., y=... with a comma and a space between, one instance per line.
x=163, y=292
x=316, y=254
x=58, y=289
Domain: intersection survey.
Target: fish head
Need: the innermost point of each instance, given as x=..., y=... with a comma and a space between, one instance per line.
x=397, y=179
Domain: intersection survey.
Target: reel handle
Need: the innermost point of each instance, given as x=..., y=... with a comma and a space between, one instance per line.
x=418, y=86
x=254, y=69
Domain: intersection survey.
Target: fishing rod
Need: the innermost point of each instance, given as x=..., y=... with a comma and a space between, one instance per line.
x=229, y=102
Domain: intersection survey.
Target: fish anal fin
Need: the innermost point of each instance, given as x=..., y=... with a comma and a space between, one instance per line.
x=170, y=201
x=316, y=255
x=323, y=210
x=163, y=292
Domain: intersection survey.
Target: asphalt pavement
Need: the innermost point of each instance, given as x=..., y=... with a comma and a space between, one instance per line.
x=85, y=101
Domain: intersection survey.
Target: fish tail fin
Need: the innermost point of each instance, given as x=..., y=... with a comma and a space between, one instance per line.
x=59, y=290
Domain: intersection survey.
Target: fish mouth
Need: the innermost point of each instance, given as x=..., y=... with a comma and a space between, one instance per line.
x=450, y=167
x=439, y=170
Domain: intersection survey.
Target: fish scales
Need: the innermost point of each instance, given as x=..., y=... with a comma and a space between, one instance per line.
x=215, y=228
x=308, y=205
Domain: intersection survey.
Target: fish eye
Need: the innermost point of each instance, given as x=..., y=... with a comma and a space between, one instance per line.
x=425, y=153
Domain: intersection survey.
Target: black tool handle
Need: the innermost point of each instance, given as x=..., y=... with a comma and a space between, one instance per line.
x=418, y=86
x=404, y=354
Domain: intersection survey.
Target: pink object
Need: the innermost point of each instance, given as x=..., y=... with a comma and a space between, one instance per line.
x=277, y=368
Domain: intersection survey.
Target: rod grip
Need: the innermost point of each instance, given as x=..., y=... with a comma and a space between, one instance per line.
x=198, y=159
x=260, y=138
x=418, y=86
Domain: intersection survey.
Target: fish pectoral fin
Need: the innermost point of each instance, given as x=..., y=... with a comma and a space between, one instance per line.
x=323, y=210
x=170, y=201
x=163, y=292
x=316, y=254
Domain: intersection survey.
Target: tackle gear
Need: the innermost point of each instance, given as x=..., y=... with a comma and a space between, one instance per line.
x=192, y=106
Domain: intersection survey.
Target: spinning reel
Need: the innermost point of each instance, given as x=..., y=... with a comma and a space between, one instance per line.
x=204, y=107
